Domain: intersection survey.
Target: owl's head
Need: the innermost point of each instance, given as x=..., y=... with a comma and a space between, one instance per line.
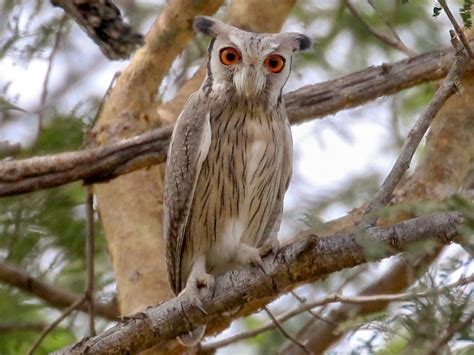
x=251, y=65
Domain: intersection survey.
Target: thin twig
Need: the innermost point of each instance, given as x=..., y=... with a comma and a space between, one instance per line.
x=398, y=45
x=448, y=334
x=407, y=51
x=104, y=98
x=447, y=88
x=302, y=300
x=53, y=325
x=44, y=91
x=285, y=333
x=89, y=294
x=456, y=26
x=338, y=298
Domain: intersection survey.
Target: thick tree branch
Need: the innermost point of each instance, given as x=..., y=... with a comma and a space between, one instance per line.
x=98, y=164
x=303, y=261
x=55, y=297
x=103, y=23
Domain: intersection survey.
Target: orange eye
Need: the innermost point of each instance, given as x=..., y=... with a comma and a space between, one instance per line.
x=229, y=56
x=275, y=63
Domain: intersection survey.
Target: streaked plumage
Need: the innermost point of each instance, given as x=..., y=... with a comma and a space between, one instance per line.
x=230, y=158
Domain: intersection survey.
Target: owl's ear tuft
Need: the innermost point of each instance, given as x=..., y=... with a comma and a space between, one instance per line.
x=304, y=42
x=208, y=26
x=295, y=42
x=203, y=24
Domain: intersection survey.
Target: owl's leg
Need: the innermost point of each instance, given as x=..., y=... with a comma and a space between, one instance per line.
x=272, y=245
x=198, y=277
x=249, y=255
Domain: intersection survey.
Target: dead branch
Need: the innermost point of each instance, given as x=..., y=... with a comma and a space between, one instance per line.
x=103, y=23
x=282, y=330
x=313, y=101
x=457, y=28
x=395, y=44
x=54, y=324
x=55, y=297
x=303, y=261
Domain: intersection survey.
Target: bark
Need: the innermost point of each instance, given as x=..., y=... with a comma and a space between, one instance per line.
x=303, y=261
x=148, y=149
x=103, y=23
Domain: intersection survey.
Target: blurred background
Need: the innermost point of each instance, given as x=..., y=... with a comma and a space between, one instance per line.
x=52, y=80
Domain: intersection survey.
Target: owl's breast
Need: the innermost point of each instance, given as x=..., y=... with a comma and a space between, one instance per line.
x=237, y=187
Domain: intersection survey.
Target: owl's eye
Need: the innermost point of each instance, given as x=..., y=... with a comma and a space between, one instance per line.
x=275, y=63
x=229, y=56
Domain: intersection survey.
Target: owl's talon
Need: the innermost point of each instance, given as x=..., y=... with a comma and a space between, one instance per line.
x=272, y=246
x=192, y=295
x=198, y=278
x=250, y=255
x=260, y=264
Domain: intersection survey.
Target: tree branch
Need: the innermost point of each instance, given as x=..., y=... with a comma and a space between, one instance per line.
x=103, y=23
x=395, y=44
x=76, y=305
x=447, y=88
x=103, y=163
x=457, y=28
x=303, y=261
x=55, y=297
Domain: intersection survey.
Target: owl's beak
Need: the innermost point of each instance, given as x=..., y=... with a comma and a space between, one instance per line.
x=249, y=81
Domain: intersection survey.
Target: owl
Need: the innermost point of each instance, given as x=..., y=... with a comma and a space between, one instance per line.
x=230, y=160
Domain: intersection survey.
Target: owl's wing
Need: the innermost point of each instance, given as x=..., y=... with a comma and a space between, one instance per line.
x=273, y=224
x=188, y=149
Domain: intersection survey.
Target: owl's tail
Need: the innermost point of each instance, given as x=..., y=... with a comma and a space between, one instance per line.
x=193, y=337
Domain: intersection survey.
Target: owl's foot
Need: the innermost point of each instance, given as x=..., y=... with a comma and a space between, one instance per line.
x=250, y=255
x=270, y=246
x=198, y=277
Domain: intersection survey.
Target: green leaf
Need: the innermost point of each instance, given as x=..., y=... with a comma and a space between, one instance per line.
x=437, y=10
x=465, y=12
x=6, y=105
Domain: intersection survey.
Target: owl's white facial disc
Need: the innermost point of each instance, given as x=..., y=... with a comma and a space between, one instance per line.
x=249, y=81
